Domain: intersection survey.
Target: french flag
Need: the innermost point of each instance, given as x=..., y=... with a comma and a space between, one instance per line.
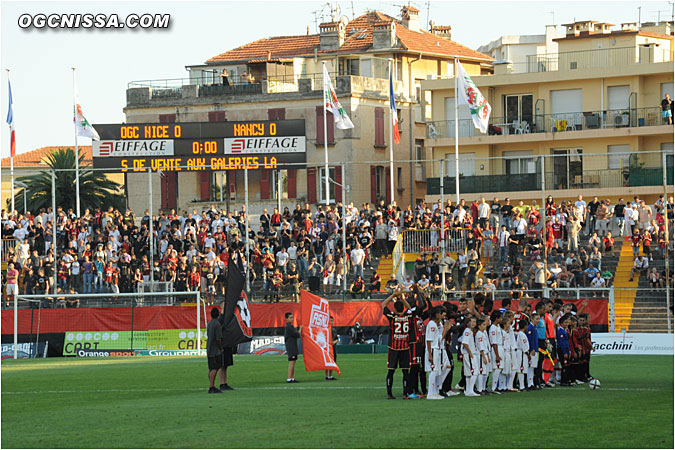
x=10, y=122
x=392, y=106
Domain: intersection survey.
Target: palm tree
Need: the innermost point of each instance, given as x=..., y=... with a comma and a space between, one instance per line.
x=95, y=189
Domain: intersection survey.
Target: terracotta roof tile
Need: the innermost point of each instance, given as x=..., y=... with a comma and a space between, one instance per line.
x=36, y=157
x=359, y=38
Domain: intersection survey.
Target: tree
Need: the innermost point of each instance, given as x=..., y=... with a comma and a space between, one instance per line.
x=95, y=189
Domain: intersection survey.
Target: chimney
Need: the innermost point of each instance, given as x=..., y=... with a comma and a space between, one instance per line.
x=410, y=18
x=442, y=31
x=384, y=34
x=332, y=35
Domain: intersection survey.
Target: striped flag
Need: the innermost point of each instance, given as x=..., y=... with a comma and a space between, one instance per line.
x=332, y=104
x=82, y=125
x=10, y=122
x=392, y=106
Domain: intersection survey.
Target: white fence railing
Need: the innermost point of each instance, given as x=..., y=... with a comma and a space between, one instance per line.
x=8, y=244
x=429, y=240
x=398, y=260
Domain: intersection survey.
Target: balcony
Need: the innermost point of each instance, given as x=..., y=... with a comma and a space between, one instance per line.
x=588, y=179
x=550, y=123
x=206, y=88
x=606, y=57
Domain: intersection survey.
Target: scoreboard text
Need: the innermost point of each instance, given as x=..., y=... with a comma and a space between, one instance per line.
x=196, y=146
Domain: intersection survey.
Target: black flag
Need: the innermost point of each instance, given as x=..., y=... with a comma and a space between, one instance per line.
x=236, y=314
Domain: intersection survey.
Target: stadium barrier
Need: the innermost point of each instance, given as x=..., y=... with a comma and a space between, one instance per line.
x=633, y=344
x=429, y=240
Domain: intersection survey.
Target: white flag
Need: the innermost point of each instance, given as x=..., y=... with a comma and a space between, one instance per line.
x=82, y=125
x=471, y=96
x=332, y=104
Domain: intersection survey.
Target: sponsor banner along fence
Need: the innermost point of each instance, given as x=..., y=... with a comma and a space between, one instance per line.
x=633, y=344
x=25, y=350
x=263, y=316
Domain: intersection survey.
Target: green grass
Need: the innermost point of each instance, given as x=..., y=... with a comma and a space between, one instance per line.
x=162, y=402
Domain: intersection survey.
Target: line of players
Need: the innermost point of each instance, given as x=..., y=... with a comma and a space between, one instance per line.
x=507, y=345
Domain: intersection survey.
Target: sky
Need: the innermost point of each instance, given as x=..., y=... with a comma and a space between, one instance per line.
x=108, y=59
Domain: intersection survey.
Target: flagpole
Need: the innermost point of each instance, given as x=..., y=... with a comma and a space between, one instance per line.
x=77, y=156
x=325, y=135
x=456, y=134
x=391, y=136
x=11, y=160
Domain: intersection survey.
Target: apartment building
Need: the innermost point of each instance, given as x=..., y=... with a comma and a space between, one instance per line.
x=280, y=78
x=591, y=110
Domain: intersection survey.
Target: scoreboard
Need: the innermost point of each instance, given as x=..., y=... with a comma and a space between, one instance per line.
x=197, y=146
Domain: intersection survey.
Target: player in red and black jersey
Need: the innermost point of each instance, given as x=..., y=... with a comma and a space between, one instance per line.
x=420, y=312
x=398, y=354
x=583, y=337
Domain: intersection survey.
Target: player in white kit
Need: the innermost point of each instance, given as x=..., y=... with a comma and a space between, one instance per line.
x=437, y=363
x=523, y=350
x=496, y=349
x=470, y=357
x=483, y=344
x=507, y=342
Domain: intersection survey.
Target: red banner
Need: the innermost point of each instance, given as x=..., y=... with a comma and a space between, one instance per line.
x=317, y=350
x=368, y=314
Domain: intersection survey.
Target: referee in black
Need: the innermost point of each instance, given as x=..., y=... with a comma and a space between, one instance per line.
x=214, y=343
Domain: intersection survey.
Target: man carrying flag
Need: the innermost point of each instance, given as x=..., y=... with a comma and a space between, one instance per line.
x=236, y=318
x=332, y=104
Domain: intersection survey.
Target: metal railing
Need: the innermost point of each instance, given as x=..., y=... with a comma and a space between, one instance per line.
x=429, y=240
x=606, y=57
x=549, y=123
x=398, y=260
x=587, y=179
x=8, y=246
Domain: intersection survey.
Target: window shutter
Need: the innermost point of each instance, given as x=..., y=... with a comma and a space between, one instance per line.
x=264, y=184
x=319, y=124
x=338, y=179
x=311, y=184
x=276, y=114
x=205, y=185
x=167, y=118
x=379, y=127
x=330, y=123
x=292, y=183
x=169, y=183
x=373, y=184
x=217, y=116
x=387, y=188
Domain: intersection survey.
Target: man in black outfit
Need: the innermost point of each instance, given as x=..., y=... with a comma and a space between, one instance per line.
x=214, y=344
x=291, y=336
x=228, y=359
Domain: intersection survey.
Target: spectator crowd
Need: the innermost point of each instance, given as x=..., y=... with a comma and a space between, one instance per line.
x=503, y=247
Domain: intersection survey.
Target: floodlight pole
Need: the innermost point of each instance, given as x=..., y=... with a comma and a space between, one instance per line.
x=150, y=237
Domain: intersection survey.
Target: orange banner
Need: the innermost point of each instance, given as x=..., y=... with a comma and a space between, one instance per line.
x=317, y=350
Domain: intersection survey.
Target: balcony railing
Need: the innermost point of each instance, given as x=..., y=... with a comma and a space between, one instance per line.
x=212, y=85
x=606, y=57
x=588, y=179
x=550, y=123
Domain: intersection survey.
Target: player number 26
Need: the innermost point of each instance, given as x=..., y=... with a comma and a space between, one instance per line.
x=400, y=326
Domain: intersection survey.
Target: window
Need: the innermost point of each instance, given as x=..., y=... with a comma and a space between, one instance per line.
x=322, y=184
x=518, y=108
x=354, y=67
x=366, y=66
x=450, y=69
x=467, y=164
x=167, y=118
x=399, y=178
x=427, y=106
x=667, y=88
x=618, y=97
x=418, y=101
x=519, y=162
x=380, y=183
x=618, y=156
x=419, y=150
x=466, y=127
x=568, y=167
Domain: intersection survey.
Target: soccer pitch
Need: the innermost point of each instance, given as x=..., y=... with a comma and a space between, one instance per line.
x=163, y=402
